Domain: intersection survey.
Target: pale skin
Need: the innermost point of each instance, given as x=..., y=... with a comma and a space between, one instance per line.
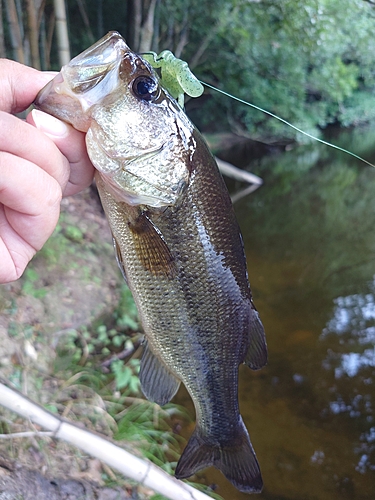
x=41, y=160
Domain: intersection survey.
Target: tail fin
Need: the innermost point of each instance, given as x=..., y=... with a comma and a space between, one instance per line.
x=237, y=462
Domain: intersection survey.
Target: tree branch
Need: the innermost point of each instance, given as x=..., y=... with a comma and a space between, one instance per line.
x=131, y=466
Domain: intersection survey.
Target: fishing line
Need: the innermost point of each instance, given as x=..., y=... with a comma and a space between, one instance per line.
x=287, y=123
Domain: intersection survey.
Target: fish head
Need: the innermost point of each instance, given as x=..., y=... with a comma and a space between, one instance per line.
x=137, y=136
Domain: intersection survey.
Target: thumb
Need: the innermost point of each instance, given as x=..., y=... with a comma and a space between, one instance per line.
x=72, y=145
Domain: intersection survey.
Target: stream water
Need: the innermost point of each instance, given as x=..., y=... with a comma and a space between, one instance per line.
x=309, y=235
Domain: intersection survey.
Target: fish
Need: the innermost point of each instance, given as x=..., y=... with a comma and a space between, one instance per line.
x=177, y=243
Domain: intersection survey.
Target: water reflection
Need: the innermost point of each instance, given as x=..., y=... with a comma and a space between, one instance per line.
x=353, y=325
x=366, y=451
x=310, y=242
x=353, y=322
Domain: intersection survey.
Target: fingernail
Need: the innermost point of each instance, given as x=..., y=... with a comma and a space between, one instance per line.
x=48, y=124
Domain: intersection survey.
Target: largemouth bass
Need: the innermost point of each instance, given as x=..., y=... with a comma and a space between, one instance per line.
x=177, y=243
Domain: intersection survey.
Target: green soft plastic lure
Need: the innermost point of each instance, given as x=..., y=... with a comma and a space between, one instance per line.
x=176, y=76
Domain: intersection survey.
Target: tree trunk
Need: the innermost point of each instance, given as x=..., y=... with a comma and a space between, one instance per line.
x=134, y=23
x=50, y=29
x=15, y=31
x=2, y=42
x=39, y=6
x=33, y=32
x=62, y=32
x=83, y=10
x=99, y=22
x=184, y=35
x=147, y=29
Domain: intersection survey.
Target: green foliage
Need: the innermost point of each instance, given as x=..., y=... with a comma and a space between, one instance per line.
x=149, y=425
x=140, y=423
x=357, y=108
x=29, y=286
x=309, y=61
x=80, y=344
x=144, y=424
x=57, y=246
x=74, y=233
x=126, y=314
x=127, y=376
x=302, y=60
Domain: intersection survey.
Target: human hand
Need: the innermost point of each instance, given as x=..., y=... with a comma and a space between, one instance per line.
x=41, y=160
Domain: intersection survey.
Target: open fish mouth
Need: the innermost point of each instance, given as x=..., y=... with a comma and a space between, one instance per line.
x=133, y=137
x=76, y=88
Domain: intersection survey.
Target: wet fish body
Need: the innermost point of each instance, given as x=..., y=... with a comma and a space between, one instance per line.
x=178, y=245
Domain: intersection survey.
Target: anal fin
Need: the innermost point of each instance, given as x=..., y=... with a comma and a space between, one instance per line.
x=256, y=356
x=158, y=383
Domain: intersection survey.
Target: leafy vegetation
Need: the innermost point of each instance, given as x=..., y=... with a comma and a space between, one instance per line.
x=144, y=426
x=309, y=61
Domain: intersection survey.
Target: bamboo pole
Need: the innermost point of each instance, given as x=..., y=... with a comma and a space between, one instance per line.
x=131, y=466
x=62, y=32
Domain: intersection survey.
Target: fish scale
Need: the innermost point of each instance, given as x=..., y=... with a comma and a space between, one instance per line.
x=207, y=326
x=177, y=243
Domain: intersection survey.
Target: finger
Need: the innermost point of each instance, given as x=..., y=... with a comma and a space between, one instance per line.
x=15, y=252
x=30, y=207
x=72, y=145
x=25, y=141
x=19, y=85
x=27, y=189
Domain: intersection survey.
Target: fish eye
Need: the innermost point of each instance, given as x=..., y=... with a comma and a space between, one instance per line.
x=145, y=88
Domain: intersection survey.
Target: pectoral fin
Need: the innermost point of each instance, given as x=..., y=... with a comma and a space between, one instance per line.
x=158, y=383
x=152, y=249
x=256, y=356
